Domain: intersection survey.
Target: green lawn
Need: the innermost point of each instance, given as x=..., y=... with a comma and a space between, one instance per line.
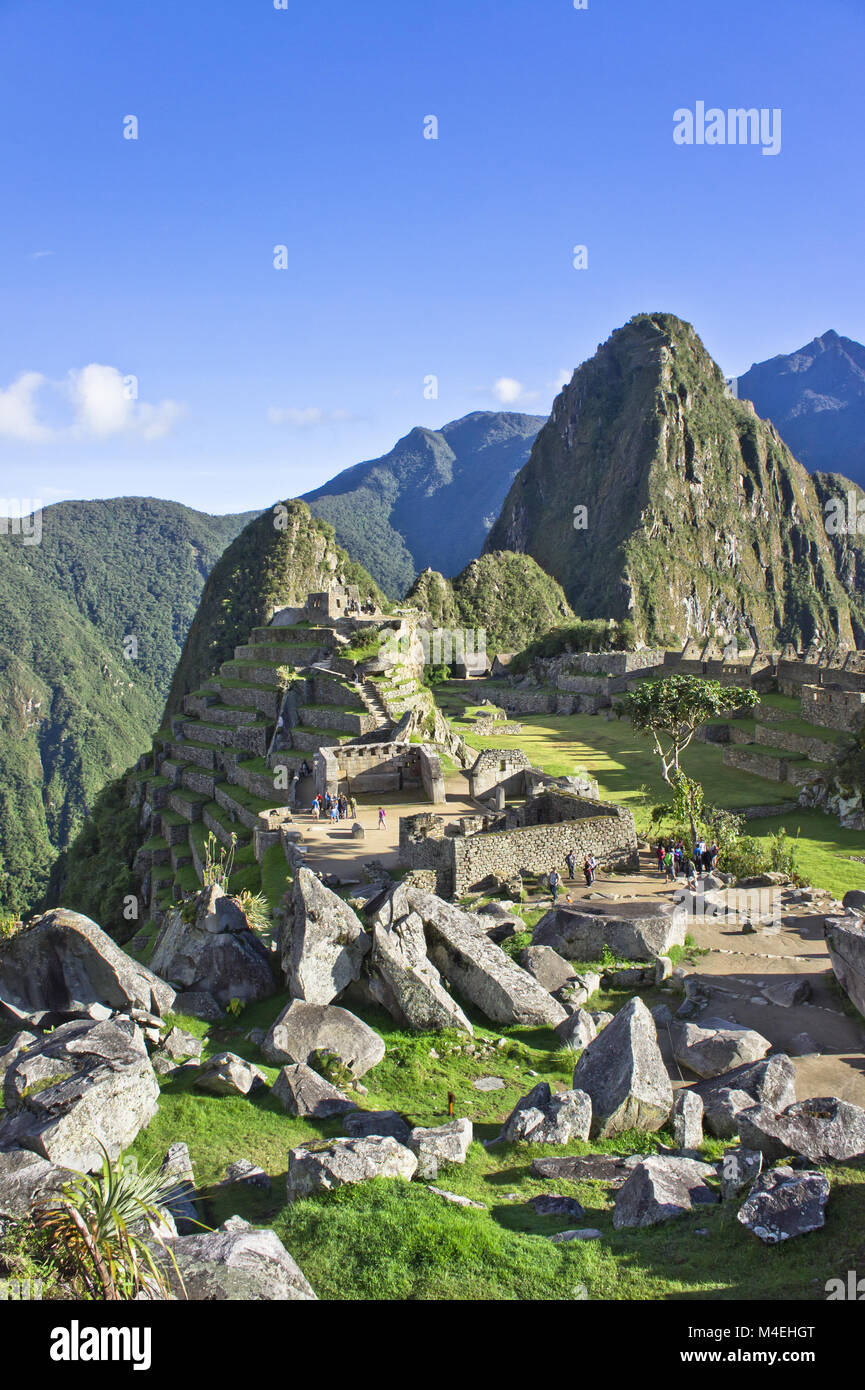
x=623, y=762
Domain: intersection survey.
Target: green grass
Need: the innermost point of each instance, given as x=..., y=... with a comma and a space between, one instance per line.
x=392, y=1240
x=623, y=762
x=275, y=874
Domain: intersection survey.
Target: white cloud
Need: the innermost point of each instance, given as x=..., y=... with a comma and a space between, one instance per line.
x=40, y=255
x=18, y=409
x=310, y=417
x=104, y=403
x=561, y=380
x=509, y=391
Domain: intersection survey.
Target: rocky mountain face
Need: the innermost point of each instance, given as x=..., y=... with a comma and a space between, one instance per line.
x=816, y=400
x=91, y=624
x=431, y=501
x=278, y=559
x=505, y=595
x=652, y=494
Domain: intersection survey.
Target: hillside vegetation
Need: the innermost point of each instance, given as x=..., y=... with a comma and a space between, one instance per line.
x=74, y=711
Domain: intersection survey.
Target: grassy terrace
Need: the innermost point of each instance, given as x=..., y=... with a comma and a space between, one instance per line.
x=623, y=762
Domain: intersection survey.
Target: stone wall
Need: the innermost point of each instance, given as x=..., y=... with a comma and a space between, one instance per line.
x=528, y=700
x=463, y=863
x=761, y=765
x=833, y=709
x=495, y=767
x=432, y=778
x=539, y=848
x=821, y=749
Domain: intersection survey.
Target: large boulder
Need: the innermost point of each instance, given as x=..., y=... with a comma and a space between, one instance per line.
x=624, y=1074
x=845, y=938
x=27, y=1180
x=84, y=1086
x=444, y=1144
x=302, y=1030
x=547, y=1117
x=610, y=1169
x=322, y=942
x=639, y=929
x=217, y=953
x=548, y=967
x=226, y=1074
x=64, y=964
x=365, y=1123
x=771, y=1082
x=715, y=1046
x=303, y=1092
x=330, y=1164
x=401, y=977
x=660, y=1188
x=820, y=1128
x=236, y=1263
x=479, y=970
x=784, y=1203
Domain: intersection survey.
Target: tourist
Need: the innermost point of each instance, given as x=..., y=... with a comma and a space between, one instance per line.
x=352, y=808
x=553, y=883
x=570, y=860
x=589, y=869
x=382, y=819
x=669, y=866
x=713, y=857
x=334, y=813
x=692, y=876
x=661, y=852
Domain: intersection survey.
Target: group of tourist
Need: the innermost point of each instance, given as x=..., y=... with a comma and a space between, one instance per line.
x=554, y=878
x=335, y=808
x=673, y=863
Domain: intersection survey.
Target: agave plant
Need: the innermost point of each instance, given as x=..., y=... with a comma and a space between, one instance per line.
x=105, y=1231
x=256, y=909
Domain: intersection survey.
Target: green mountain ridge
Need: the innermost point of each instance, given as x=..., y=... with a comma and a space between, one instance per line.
x=73, y=711
x=431, y=500
x=699, y=519
x=506, y=595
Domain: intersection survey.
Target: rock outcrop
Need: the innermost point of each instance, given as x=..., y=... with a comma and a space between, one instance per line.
x=302, y=1030
x=480, y=971
x=400, y=975
x=236, y=1263
x=303, y=1092
x=660, y=1188
x=63, y=964
x=634, y=930
x=771, y=1082
x=334, y=1163
x=322, y=942
x=819, y=1128
x=546, y=1117
x=715, y=1046
x=82, y=1087
x=218, y=953
x=785, y=1202
x=624, y=1075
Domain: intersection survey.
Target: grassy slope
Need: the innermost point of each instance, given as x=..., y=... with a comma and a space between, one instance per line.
x=623, y=762
x=387, y=1239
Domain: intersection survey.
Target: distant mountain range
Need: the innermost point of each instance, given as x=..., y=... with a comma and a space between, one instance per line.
x=431, y=501
x=815, y=398
x=74, y=709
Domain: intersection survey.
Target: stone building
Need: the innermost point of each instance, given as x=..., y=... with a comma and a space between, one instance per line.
x=467, y=855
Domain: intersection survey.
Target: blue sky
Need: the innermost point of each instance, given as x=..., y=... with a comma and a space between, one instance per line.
x=152, y=258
